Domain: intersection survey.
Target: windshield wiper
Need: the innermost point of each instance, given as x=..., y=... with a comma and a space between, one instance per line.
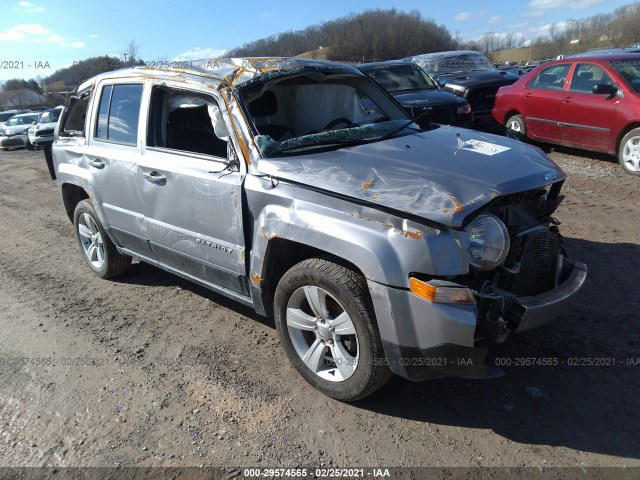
x=404, y=125
x=326, y=143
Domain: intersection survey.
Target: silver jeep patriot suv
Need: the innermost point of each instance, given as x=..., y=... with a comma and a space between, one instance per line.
x=303, y=189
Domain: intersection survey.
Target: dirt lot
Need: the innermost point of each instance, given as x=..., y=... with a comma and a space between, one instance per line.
x=180, y=376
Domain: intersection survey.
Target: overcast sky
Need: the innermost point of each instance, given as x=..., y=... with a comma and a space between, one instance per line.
x=35, y=33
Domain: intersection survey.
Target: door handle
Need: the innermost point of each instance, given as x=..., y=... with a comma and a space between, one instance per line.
x=154, y=177
x=527, y=95
x=567, y=100
x=97, y=163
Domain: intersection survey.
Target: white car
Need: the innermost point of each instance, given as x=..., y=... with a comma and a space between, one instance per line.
x=7, y=114
x=41, y=134
x=14, y=133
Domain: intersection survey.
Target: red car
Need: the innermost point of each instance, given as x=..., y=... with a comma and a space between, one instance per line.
x=589, y=102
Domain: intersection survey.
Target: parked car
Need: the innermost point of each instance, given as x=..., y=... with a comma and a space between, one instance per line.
x=605, y=51
x=418, y=93
x=377, y=246
x=41, y=134
x=514, y=69
x=7, y=114
x=14, y=132
x=591, y=103
x=469, y=74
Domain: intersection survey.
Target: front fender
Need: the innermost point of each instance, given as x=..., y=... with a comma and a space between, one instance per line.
x=385, y=247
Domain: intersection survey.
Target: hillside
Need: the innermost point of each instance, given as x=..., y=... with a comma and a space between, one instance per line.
x=379, y=34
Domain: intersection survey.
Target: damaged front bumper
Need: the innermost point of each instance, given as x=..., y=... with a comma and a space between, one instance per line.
x=424, y=340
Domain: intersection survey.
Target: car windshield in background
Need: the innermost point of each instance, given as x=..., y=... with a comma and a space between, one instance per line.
x=4, y=116
x=50, y=116
x=630, y=70
x=304, y=112
x=467, y=62
x=401, y=78
x=22, y=120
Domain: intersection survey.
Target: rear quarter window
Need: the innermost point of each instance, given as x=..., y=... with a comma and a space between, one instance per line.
x=74, y=118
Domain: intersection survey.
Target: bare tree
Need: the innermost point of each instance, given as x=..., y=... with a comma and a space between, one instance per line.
x=489, y=43
x=131, y=53
x=509, y=41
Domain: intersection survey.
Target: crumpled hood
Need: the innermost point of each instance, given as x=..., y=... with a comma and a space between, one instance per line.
x=442, y=175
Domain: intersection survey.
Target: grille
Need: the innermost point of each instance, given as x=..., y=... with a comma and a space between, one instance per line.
x=42, y=133
x=482, y=99
x=532, y=259
x=437, y=114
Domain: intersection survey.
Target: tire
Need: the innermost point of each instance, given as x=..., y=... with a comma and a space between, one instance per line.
x=28, y=145
x=96, y=247
x=335, y=345
x=516, y=128
x=629, y=152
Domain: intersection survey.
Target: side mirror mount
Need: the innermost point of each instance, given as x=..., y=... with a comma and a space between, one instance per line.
x=605, y=89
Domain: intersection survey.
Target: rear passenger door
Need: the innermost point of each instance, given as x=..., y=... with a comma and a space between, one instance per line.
x=541, y=102
x=192, y=199
x=111, y=157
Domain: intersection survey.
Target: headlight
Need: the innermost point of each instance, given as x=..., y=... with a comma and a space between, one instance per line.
x=488, y=242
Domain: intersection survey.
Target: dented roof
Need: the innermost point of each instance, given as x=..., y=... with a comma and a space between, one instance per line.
x=232, y=71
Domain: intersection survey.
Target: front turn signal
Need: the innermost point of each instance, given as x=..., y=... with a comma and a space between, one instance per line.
x=440, y=293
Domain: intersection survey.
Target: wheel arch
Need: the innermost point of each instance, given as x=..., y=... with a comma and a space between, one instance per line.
x=72, y=195
x=622, y=134
x=509, y=114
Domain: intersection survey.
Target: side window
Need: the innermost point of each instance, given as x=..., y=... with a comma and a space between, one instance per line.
x=188, y=122
x=587, y=76
x=73, y=120
x=118, y=113
x=551, y=78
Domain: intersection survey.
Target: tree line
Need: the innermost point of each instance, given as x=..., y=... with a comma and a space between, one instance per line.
x=616, y=29
x=379, y=34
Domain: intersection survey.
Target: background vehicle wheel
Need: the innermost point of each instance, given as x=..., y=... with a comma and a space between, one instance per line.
x=28, y=145
x=629, y=152
x=516, y=128
x=97, y=249
x=327, y=326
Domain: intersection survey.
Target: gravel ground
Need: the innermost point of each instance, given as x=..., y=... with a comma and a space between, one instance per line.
x=149, y=370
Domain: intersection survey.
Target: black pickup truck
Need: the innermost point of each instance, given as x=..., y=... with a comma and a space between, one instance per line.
x=469, y=74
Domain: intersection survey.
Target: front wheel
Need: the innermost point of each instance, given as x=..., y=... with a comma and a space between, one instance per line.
x=97, y=248
x=516, y=128
x=327, y=327
x=629, y=152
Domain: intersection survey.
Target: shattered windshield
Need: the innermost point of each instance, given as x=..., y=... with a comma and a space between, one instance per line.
x=454, y=63
x=401, y=78
x=630, y=70
x=299, y=113
x=346, y=137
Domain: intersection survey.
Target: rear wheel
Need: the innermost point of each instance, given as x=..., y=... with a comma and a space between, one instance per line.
x=327, y=326
x=629, y=152
x=97, y=248
x=516, y=128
